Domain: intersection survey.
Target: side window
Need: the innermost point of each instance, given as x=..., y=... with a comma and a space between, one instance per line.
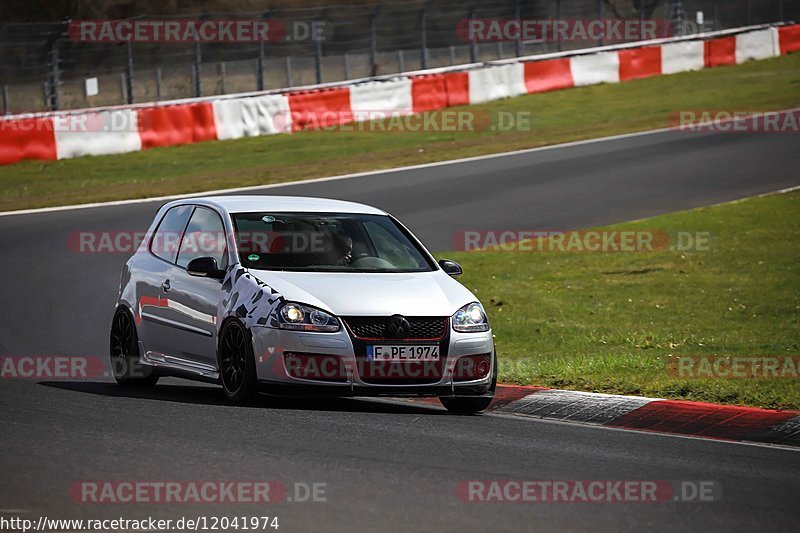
x=164, y=243
x=204, y=237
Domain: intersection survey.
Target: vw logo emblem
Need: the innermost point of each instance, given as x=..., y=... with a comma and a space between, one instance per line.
x=398, y=327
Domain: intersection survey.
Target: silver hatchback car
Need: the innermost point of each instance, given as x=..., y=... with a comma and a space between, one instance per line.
x=294, y=295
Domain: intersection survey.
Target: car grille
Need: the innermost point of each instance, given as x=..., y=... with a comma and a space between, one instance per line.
x=422, y=328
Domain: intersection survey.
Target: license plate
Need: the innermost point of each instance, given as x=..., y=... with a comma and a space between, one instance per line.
x=415, y=352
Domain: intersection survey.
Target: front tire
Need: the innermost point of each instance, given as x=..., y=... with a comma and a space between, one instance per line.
x=124, y=353
x=237, y=366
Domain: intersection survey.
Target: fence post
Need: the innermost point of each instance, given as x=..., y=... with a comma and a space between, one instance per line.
x=518, y=17
x=346, y=66
x=373, y=41
x=5, y=99
x=641, y=16
x=749, y=7
x=423, y=35
x=473, y=46
x=260, y=67
x=452, y=55
x=780, y=10
x=715, y=14
x=122, y=92
x=222, y=77
x=158, y=83
x=260, y=62
x=52, y=99
x=288, y=63
x=198, y=58
x=401, y=60
x=318, y=60
x=558, y=18
x=318, y=43
x=129, y=72
x=46, y=94
x=600, y=19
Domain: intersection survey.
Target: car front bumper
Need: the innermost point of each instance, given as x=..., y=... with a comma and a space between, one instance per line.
x=271, y=346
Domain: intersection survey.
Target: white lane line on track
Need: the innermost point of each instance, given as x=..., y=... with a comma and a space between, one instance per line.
x=367, y=173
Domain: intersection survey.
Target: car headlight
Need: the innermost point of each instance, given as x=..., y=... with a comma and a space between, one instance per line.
x=302, y=317
x=470, y=318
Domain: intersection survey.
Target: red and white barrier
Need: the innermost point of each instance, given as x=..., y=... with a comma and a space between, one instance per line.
x=640, y=63
x=102, y=133
x=251, y=117
x=266, y=115
x=496, y=82
x=374, y=100
x=789, y=39
x=720, y=52
x=27, y=138
x=591, y=69
x=176, y=124
x=439, y=90
x=757, y=45
x=682, y=56
x=228, y=119
x=92, y=132
x=548, y=75
x=320, y=108
x=428, y=93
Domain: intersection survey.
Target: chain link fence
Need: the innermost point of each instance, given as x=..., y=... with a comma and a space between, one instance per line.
x=44, y=66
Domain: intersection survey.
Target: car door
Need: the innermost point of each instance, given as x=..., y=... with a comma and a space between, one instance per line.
x=193, y=299
x=155, y=269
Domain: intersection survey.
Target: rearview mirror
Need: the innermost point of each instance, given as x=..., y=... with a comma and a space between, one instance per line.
x=450, y=267
x=205, y=267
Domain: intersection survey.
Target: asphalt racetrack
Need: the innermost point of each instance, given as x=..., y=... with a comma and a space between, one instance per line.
x=386, y=466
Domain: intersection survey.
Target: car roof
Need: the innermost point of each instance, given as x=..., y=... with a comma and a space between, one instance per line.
x=280, y=204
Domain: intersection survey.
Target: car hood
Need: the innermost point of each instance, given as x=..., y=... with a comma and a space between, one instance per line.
x=371, y=294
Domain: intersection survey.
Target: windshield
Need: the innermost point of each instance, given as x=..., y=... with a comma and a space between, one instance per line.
x=323, y=242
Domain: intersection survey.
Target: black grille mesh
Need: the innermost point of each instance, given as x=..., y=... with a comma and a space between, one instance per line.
x=372, y=327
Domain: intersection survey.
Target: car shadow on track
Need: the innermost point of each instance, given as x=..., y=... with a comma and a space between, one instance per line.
x=211, y=395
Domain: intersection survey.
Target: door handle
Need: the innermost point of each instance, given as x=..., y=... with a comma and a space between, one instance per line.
x=165, y=285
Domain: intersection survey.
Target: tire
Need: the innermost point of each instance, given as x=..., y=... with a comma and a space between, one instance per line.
x=124, y=353
x=464, y=405
x=237, y=366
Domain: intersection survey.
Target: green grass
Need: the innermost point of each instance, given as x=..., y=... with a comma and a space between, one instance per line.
x=557, y=117
x=612, y=322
